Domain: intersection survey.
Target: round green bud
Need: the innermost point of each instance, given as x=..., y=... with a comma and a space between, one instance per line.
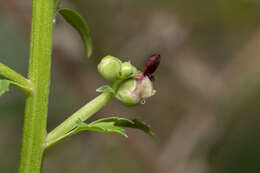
x=124, y=93
x=133, y=91
x=127, y=69
x=109, y=68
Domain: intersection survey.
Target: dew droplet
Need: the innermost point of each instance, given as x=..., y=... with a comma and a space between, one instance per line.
x=143, y=101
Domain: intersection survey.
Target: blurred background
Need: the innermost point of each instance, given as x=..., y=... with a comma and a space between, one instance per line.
x=205, y=113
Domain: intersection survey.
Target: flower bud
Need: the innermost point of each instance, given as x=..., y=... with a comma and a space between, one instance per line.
x=127, y=69
x=133, y=91
x=109, y=68
x=152, y=64
x=124, y=93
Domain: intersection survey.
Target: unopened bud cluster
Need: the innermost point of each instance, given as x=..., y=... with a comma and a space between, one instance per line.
x=133, y=88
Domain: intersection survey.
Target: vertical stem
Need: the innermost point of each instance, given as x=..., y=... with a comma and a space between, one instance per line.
x=36, y=107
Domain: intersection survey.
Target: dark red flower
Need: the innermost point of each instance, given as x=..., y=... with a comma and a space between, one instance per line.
x=152, y=64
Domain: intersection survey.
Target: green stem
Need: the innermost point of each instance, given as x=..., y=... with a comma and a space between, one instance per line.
x=14, y=76
x=34, y=132
x=82, y=114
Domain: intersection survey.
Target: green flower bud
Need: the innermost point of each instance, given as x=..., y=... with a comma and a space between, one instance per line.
x=127, y=69
x=109, y=68
x=124, y=93
x=133, y=91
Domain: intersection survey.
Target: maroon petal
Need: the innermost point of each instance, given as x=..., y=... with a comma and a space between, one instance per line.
x=151, y=64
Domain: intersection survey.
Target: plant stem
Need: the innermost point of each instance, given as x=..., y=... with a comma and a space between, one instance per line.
x=36, y=107
x=82, y=114
x=14, y=76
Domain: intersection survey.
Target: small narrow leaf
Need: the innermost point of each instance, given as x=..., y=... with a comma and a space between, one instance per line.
x=105, y=88
x=78, y=22
x=110, y=127
x=100, y=127
x=110, y=124
x=4, y=86
x=123, y=122
x=138, y=125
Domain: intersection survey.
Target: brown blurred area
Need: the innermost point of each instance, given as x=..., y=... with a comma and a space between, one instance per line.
x=206, y=112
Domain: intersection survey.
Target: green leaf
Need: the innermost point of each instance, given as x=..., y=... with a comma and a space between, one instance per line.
x=116, y=120
x=105, y=88
x=78, y=22
x=110, y=124
x=113, y=125
x=101, y=127
x=4, y=86
x=123, y=122
x=137, y=124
